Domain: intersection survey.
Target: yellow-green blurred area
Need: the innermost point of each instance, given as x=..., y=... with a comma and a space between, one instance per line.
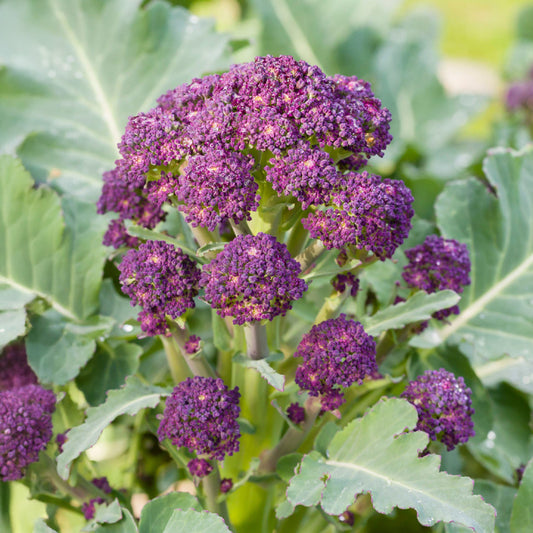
x=482, y=30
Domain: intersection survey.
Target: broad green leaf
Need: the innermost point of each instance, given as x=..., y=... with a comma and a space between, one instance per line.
x=12, y=325
x=374, y=454
x=39, y=256
x=133, y=397
x=41, y=527
x=57, y=348
x=76, y=69
x=501, y=497
x=522, y=514
x=419, y=307
x=126, y=525
x=109, y=367
x=273, y=378
x=195, y=521
x=508, y=443
x=497, y=308
x=157, y=512
x=105, y=513
x=514, y=370
x=304, y=29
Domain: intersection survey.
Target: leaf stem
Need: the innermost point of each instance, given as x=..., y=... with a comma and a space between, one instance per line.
x=196, y=362
x=211, y=488
x=293, y=438
x=310, y=254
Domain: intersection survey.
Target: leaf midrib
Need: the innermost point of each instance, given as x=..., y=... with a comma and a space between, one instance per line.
x=481, y=303
x=92, y=77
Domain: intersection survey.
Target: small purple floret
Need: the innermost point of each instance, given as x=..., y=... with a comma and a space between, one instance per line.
x=342, y=281
x=226, y=485
x=201, y=414
x=162, y=280
x=296, y=413
x=444, y=406
x=25, y=428
x=366, y=213
x=88, y=508
x=192, y=344
x=14, y=368
x=253, y=278
x=436, y=265
x=199, y=467
x=336, y=353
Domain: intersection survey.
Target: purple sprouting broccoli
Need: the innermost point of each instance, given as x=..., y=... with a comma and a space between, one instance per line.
x=208, y=144
x=344, y=280
x=296, y=413
x=199, y=467
x=192, y=344
x=217, y=186
x=162, y=280
x=519, y=97
x=365, y=212
x=88, y=508
x=126, y=200
x=14, y=368
x=201, y=415
x=226, y=485
x=25, y=428
x=336, y=353
x=436, y=265
x=253, y=278
x=307, y=173
x=444, y=406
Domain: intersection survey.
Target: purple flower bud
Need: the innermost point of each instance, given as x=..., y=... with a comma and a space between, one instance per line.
x=218, y=186
x=341, y=281
x=367, y=213
x=162, y=280
x=14, y=368
x=192, y=345
x=61, y=438
x=253, y=278
x=201, y=414
x=436, y=265
x=336, y=353
x=199, y=467
x=306, y=172
x=296, y=413
x=347, y=518
x=88, y=508
x=226, y=485
x=25, y=428
x=444, y=406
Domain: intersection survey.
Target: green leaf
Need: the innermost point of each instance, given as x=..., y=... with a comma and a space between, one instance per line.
x=126, y=525
x=303, y=29
x=497, y=308
x=109, y=367
x=41, y=527
x=195, y=521
x=133, y=397
x=374, y=454
x=57, y=348
x=507, y=444
x=272, y=377
x=105, y=513
x=419, y=307
x=42, y=257
x=501, y=497
x=157, y=512
x=76, y=69
x=522, y=514
x=13, y=325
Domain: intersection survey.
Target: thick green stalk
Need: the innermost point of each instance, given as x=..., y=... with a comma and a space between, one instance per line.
x=196, y=362
x=297, y=239
x=256, y=340
x=293, y=438
x=211, y=488
x=310, y=254
x=179, y=369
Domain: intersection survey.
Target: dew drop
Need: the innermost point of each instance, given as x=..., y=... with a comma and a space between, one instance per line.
x=491, y=435
x=127, y=327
